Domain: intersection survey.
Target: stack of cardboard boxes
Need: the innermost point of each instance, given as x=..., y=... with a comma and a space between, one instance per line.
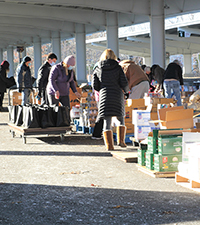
x=164, y=149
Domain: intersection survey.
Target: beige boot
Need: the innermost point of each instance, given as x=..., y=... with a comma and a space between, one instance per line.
x=108, y=139
x=121, y=132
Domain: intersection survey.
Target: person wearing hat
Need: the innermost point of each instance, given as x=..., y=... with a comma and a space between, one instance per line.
x=43, y=75
x=61, y=79
x=24, y=80
x=4, y=69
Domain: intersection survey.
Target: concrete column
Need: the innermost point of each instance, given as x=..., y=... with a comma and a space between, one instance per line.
x=187, y=68
x=112, y=32
x=37, y=55
x=56, y=44
x=157, y=20
x=24, y=52
x=80, y=53
x=10, y=59
x=147, y=61
x=1, y=55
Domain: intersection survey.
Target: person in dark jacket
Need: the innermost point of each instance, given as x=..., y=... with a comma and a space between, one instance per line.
x=157, y=74
x=24, y=80
x=110, y=80
x=3, y=81
x=43, y=75
x=172, y=81
x=61, y=79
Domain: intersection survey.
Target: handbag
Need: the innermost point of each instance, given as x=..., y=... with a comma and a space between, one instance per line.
x=10, y=82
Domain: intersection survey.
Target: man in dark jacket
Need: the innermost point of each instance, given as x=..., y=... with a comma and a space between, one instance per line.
x=172, y=81
x=43, y=75
x=24, y=80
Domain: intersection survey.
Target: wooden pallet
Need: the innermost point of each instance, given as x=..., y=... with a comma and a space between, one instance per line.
x=187, y=182
x=125, y=156
x=155, y=174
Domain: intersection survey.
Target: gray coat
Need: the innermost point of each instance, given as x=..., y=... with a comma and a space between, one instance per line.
x=110, y=80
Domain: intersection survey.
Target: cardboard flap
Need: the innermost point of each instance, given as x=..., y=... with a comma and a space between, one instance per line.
x=181, y=114
x=162, y=112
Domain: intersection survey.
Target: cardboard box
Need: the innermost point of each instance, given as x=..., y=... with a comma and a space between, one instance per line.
x=153, y=142
x=166, y=163
x=140, y=117
x=169, y=145
x=149, y=161
x=156, y=101
x=135, y=103
x=141, y=132
x=141, y=157
x=175, y=117
x=129, y=128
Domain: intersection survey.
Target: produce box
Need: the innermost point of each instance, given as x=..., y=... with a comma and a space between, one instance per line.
x=167, y=163
x=150, y=161
x=153, y=141
x=141, y=157
x=169, y=145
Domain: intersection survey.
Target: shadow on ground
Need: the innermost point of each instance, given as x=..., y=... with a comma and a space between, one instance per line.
x=50, y=205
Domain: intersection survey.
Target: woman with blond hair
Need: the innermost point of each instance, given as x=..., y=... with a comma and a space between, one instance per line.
x=110, y=80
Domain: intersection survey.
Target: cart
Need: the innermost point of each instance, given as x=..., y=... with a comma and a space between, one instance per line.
x=26, y=132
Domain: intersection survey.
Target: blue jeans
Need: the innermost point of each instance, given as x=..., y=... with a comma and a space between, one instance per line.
x=26, y=96
x=173, y=86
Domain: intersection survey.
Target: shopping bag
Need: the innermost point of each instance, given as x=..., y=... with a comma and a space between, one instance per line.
x=12, y=110
x=19, y=117
x=30, y=117
x=62, y=116
x=47, y=117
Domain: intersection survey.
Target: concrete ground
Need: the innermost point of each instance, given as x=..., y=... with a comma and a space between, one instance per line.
x=47, y=182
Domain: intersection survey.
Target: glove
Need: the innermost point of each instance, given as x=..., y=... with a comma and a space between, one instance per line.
x=20, y=90
x=126, y=96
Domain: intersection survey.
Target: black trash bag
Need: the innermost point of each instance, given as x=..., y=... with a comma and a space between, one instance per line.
x=12, y=109
x=19, y=117
x=30, y=117
x=47, y=117
x=63, y=116
x=10, y=82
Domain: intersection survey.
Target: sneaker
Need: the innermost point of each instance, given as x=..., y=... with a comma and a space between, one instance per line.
x=96, y=138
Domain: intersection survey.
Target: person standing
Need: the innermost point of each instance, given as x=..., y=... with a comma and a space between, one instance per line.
x=172, y=80
x=111, y=83
x=61, y=79
x=43, y=75
x=24, y=80
x=4, y=69
x=137, y=79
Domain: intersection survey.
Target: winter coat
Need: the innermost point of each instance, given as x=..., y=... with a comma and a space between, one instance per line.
x=59, y=81
x=23, y=73
x=3, y=79
x=43, y=75
x=174, y=71
x=157, y=73
x=110, y=80
x=133, y=72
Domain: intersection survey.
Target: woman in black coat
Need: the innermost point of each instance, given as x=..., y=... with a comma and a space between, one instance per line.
x=3, y=80
x=110, y=80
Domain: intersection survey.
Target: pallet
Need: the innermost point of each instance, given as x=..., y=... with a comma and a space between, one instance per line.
x=155, y=174
x=25, y=132
x=127, y=157
x=187, y=183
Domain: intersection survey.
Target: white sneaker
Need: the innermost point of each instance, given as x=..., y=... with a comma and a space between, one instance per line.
x=96, y=138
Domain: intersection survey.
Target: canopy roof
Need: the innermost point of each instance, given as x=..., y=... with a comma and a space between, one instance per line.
x=21, y=21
